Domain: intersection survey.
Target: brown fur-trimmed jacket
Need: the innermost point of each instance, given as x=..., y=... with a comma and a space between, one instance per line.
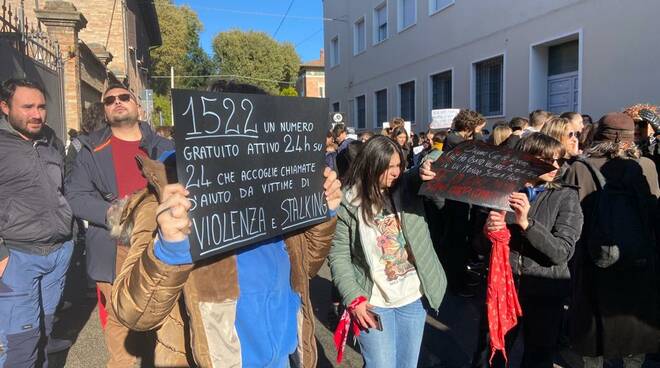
x=193, y=307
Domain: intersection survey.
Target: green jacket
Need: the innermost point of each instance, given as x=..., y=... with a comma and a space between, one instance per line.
x=350, y=270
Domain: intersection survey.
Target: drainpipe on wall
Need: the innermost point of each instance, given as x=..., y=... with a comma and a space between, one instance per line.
x=124, y=8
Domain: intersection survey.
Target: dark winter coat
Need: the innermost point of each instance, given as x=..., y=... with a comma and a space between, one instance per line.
x=452, y=140
x=615, y=312
x=342, y=159
x=72, y=152
x=651, y=150
x=512, y=141
x=539, y=255
x=35, y=216
x=91, y=188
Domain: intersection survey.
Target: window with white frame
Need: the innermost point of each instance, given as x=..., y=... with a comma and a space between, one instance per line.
x=381, y=107
x=361, y=112
x=489, y=86
x=359, y=36
x=321, y=91
x=407, y=101
x=380, y=23
x=334, y=51
x=438, y=5
x=407, y=13
x=441, y=97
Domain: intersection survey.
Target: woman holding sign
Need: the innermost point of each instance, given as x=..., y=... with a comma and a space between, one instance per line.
x=382, y=258
x=543, y=228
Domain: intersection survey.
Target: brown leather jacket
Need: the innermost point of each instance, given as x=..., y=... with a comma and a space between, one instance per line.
x=193, y=307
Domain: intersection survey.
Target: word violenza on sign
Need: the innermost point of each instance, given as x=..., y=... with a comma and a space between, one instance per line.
x=253, y=165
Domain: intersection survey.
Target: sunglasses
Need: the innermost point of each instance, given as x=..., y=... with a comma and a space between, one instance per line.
x=109, y=100
x=550, y=161
x=573, y=134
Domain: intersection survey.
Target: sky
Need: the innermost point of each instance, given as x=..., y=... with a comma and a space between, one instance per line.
x=303, y=26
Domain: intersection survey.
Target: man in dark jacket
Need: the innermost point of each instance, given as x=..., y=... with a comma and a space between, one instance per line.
x=104, y=173
x=35, y=224
x=455, y=250
x=467, y=125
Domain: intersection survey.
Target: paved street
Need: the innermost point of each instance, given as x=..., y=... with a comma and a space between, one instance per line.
x=449, y=339
x=445, y=343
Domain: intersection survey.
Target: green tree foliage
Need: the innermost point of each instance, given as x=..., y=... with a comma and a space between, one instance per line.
x=289, y=91
x=180, y=28
x=267, y=62
x=162, y=107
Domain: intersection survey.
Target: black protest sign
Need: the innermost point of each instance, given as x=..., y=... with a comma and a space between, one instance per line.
x=482, y=174
x=253, y=165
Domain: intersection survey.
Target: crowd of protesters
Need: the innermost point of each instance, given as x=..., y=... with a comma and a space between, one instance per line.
x=581, y=243
x=583, y=239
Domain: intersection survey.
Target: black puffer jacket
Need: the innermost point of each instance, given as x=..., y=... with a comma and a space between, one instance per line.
x=540, y=254
x=35, y=217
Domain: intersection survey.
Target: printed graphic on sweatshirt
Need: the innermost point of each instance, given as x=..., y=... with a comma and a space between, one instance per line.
x=392, y=248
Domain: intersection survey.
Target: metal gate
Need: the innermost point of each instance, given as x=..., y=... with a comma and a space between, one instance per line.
x=27, y=52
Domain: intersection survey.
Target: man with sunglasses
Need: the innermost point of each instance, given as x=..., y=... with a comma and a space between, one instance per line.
x=35, y=225
x=104, y=173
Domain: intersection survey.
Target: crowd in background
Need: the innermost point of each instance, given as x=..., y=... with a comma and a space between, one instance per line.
x=583, y=239
x=573, y=264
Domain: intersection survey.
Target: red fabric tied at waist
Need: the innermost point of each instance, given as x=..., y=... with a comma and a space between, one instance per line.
x=502, y=302
x=346, y=323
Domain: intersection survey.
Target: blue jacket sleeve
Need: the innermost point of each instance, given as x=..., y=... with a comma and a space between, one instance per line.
x=81, y=193
x=173, y=253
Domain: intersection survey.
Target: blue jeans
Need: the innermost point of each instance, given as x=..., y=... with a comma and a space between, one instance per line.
x=397, y=346
x=30, y=288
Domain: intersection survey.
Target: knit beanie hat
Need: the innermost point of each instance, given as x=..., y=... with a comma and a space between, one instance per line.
x=615, y=127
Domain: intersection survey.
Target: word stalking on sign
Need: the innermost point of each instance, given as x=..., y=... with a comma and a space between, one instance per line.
x=482, y=174
x=253, y=165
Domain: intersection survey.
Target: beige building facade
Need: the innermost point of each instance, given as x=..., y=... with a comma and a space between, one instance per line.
x=503, y=58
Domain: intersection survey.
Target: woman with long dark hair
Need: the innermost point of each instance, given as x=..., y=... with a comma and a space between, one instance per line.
x=382, y=257
x=400, y=136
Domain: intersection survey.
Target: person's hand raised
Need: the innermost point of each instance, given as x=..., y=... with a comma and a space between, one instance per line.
x=520, y=204
x=172, y=213
x=332, y=188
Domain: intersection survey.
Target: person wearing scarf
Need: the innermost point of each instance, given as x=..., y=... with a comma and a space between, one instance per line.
x=529, y=277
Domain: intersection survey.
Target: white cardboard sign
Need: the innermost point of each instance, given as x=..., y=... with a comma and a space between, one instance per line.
x=443, y=118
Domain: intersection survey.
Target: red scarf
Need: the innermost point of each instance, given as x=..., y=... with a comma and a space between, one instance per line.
x=501, y=298
x=345, y=324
